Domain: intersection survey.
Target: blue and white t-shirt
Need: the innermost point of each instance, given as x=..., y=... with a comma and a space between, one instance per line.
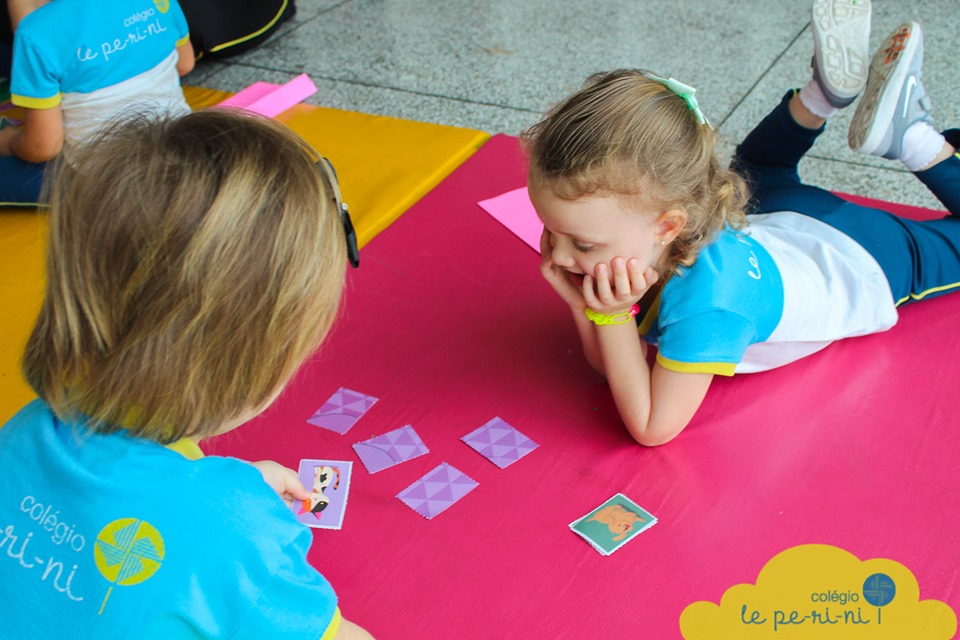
x=108, y=536
x=784, y=288
x=99, y=59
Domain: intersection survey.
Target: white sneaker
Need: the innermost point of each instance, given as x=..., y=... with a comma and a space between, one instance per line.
x=894, y=97
x=841, y=48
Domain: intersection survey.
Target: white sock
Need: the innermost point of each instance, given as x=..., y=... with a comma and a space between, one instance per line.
x=921, y=144
x=816, y=103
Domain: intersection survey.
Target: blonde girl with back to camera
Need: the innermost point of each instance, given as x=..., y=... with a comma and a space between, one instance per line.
x=646, y=238
x=193, y=265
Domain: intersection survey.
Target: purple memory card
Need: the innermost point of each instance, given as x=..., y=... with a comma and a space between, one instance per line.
x=384, y=451
x=342, y=410
x=499, y=443
x=436, y=492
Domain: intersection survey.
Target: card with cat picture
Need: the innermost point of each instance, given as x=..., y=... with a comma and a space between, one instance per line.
x=329, y=484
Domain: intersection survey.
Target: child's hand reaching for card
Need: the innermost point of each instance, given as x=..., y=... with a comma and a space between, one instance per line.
x=282, y=480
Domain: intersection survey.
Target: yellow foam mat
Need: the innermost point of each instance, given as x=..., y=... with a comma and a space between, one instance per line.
x=384, y=166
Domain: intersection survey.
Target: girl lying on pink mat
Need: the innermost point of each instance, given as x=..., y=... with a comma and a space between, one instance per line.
x=647, y=240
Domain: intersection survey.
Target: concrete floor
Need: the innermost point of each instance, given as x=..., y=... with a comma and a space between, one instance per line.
x=495, y=65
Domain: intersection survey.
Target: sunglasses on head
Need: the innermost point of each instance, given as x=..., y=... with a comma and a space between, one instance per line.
x=353, y=251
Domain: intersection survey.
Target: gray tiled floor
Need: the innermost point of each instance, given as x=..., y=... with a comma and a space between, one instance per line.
x=495, y=65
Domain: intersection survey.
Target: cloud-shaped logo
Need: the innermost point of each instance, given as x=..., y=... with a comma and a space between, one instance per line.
x=823, y=592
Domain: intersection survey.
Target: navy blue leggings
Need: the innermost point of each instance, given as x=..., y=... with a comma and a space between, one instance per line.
x=919, y=259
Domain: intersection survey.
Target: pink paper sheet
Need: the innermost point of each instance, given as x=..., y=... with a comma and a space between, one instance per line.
x=514, y=210
x=270, y=100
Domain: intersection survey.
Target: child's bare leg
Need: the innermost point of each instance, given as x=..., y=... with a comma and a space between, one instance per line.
x=946, y=151
x=802, y=115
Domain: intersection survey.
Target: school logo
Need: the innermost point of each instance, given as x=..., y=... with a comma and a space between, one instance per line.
x=822, y=592
x=127, y=552
x=162, y=5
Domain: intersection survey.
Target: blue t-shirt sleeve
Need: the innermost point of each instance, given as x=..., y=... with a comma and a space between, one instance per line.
x=709, y=342
x=297, y=602
x=179, y=22
x=35, y=75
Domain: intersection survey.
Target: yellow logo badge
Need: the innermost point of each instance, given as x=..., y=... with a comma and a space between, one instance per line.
x=127, y=552
x=162, y=5
x=822, y=592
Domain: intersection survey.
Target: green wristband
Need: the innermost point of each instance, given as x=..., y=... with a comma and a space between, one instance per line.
x=601, y=319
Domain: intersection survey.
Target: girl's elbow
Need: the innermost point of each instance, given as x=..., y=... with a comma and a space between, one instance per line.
x=49, y=153
x=653, y=437
x=43, y=152
x=53, y=149
x=185, y=66
x=654, y=440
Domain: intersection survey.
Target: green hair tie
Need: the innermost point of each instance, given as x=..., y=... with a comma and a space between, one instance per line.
x=686, y=92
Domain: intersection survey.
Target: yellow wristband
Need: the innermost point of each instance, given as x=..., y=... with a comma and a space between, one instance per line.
x=603, y=319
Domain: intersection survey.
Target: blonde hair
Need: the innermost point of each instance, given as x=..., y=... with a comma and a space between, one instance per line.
x=193, y=264
x=625, y=134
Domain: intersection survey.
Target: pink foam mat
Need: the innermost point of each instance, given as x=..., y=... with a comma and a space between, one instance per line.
x=449, y=324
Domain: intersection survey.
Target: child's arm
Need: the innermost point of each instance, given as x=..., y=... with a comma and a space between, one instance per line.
x=287, y=484
x=350, y=631
x=185, y=58
x=18, y=9
x=654, y=405
x=557, y=277
x=39, y=139
x=282, y=480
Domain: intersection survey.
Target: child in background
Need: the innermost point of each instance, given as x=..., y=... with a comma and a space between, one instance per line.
x=17, y=10
x=77, y=64
x=180, y=315
x=646, y=239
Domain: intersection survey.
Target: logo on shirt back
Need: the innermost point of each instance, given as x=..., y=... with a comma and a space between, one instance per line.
x=162, y=5
x=127, y=552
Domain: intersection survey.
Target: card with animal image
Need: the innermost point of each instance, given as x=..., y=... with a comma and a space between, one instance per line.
x=328, y=482
x=613, y=524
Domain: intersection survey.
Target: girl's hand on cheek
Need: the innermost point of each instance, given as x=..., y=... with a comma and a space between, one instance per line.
x=557, y=276
x=615, y=288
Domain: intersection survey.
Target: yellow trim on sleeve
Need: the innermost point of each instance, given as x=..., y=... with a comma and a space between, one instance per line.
x=252, y=35
x=334, y=626
x=184, y=40
x=35, y=103
x=187, y=447
x=716, y=368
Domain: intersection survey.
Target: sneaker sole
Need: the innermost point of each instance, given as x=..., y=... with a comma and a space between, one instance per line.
x=841, y=37
x=889, y=71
